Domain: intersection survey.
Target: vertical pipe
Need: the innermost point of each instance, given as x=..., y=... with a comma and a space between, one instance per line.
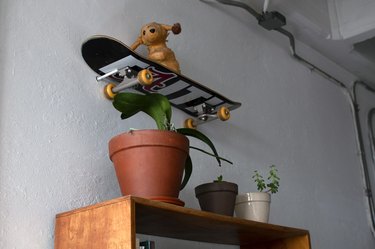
x=265, y=6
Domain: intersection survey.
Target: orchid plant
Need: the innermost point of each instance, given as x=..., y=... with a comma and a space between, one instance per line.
x=159, y=108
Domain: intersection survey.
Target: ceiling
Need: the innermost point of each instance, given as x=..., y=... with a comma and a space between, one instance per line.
x=341, y=30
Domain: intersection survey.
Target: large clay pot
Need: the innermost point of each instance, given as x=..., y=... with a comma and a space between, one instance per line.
x=150, y=163
x=217, y=197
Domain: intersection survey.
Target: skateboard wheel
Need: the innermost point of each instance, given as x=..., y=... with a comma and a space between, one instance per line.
x=189, y=123
x=109, y=94
x=145, y=77
x=223, y=114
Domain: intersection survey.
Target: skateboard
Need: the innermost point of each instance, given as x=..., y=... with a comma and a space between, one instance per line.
x=115, y=62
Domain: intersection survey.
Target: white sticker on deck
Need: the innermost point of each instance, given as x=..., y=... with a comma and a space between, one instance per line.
x=128, y=61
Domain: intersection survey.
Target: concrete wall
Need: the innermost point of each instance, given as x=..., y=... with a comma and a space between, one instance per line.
x=55, y=123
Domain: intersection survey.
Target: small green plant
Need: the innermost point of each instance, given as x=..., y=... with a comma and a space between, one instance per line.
x=219, y=178
x=273, y=181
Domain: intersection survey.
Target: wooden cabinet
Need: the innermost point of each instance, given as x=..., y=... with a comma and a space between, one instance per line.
x=114, y=223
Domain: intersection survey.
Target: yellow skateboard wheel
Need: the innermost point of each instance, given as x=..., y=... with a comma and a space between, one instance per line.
x=189, y=123
x=223, y=114
x=109, y=94
x=145, y=77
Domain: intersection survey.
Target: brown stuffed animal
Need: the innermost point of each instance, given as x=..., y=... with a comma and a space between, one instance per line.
x=154, y=36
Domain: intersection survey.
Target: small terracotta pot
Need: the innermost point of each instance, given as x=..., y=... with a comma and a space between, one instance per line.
x=217, y=197
x=150, y=163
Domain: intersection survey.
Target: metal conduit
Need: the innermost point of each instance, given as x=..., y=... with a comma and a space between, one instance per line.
x=352, y=98
x=361, y=145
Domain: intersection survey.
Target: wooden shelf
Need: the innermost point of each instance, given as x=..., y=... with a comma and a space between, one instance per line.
x=114, y=224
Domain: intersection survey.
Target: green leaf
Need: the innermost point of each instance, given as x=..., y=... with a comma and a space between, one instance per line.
x=274, y=184
x=219, y=178
x=198, y=135
x=128, y=114
x=187, y=172
x=155, y=105
x=160, y=103
x=258, y=178
x=210, y=154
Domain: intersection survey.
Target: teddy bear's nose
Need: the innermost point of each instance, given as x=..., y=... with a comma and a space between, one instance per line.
x=152, y=30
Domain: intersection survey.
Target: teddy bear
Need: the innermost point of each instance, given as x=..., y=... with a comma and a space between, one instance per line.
x=154, y=36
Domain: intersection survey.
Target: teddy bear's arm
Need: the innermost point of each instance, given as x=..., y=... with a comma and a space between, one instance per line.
x=136, y=44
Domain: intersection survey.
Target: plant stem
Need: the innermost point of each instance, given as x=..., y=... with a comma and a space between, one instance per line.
x=223, y=159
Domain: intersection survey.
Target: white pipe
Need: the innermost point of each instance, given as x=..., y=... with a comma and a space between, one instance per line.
x=265, y=6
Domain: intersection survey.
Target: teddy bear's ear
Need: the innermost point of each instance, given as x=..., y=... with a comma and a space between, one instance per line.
x=176, y=28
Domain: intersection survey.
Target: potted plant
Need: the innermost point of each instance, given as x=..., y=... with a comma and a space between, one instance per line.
x=218, y=196
x=256, y=205
x=153, y=164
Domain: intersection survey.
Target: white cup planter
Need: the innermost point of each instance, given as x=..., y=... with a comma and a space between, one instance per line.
x=253, y=206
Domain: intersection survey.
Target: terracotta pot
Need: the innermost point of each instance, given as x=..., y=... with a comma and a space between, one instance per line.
x=217, y=197
x=150, y=163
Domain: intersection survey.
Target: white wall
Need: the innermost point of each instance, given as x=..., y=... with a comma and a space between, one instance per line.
x=351, y=17
x=55, y=123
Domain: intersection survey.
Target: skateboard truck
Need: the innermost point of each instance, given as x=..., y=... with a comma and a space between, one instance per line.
x=127, y=72
x=143, y=77
x=207, y=113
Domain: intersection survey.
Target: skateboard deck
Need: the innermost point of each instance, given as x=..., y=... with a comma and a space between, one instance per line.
x=116, y=62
